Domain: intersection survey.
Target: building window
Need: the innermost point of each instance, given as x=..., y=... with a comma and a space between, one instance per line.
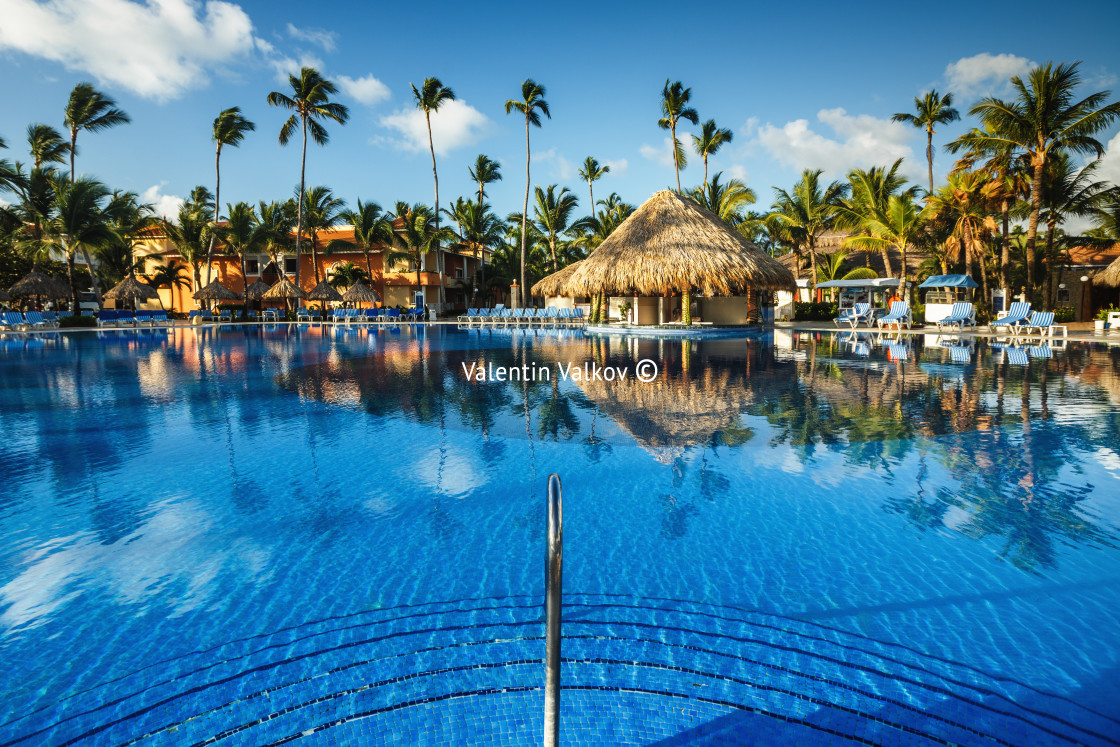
x=1063, y=295
x=290, y=265
x=252, y=267
x=459, y=272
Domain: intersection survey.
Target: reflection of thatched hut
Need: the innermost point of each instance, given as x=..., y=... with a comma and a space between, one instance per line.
x=672, y=245
x=556, y=284
x=1109, y=276
x=359, y=292
x=130, y=289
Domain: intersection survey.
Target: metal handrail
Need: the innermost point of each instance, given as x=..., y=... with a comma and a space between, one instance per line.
x=554, y=567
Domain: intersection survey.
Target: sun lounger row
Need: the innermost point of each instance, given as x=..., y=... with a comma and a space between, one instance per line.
x=13, y=320
x=126, y=318
x=502, y=317
x=1021, y=320
x=362, y=316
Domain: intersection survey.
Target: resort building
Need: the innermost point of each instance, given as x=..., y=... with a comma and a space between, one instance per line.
x=1075, y=286
x=397, y=282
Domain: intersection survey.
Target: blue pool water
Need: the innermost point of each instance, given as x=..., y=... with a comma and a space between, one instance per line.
x=249, y=536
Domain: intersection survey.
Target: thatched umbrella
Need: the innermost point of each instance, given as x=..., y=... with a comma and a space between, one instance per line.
x=130, y=288
x=322, y=293
x=671, y=244
x=216, y=292
x=556, y=283
x=1110, y=276
x=257, y=290
x=284, y=289
x=359, y=292
x=37, y=284
x=4, y=295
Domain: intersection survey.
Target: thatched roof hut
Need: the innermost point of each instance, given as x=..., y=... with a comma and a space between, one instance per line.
x=284, y=289
x=128, y=288
x=216, y=292
x=556, y=283
x=1109, y=276
x=359, y=292
x=324, y=291
x=257, y=290
x=4, y=295
x=36, y=283
x=671, y=244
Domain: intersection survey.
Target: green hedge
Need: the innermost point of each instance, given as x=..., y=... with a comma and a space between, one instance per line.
x=809, y=311
x=76, y=321
x=1063, y=316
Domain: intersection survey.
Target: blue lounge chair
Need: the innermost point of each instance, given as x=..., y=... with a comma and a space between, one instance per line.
x=224, y=315
x=14, y=320
x=1041, y=351
x=1016, y=356
x=961, y=314
x=35, y=320
x=107, y=318
x=194, y=314
x=899, y=315
x=271, y=315
x=51, y=318
x=126, y=317
x=1040, y=320
x=960, y=354
x=303, y=314
x=87, y=312
x=207, y=315
x=1017, y=315
x=861, y=312
x=252, y=315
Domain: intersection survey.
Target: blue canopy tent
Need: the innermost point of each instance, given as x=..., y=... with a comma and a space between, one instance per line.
x=942, y=291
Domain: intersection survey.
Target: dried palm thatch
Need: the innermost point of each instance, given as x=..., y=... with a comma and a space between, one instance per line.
x=671, y=244
x=556, y=283
x=5, y=296
x=257, y=290
x=130, y=288
x=284, y=289
x=359, y=292
x=324, y=292
x=216, y=292
x=36, y=283
x=1109, y=276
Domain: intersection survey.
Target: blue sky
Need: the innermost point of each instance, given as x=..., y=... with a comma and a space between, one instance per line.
x=801, y=85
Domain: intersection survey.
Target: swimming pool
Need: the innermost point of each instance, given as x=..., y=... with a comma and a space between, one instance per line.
x=277, y=534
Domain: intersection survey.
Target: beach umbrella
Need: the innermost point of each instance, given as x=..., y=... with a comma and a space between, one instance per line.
x=257, y=290
x=216, y=292
x=359, y=292
x=37, y=284
x=130, y=288
x=672, y=245
x=284, y=289
x=323, y=292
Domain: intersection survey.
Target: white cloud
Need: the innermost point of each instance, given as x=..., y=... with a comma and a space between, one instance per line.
x=985, y=74
x=618, y=167
x=166, y=206
x=158, y=49
x=662, y=154
x=558, y=166
x=863, y=141
x=367, y=89
x=1109, y=168
x=736, y=171
x=455, y=125
x=285, y=66
x=319, y=37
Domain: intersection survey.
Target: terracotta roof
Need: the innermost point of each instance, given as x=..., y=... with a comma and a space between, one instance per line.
x=1093, y=255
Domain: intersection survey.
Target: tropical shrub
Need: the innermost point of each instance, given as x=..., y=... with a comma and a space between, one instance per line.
x=65, y=322
x=1064, y=315
x=813, y=311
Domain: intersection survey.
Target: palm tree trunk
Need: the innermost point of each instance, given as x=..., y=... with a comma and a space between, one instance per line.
x=591, y=191
x=419, y=288
x=552, y=251
x=902, y=273
x=314, y=256
x=245, y=284
x=1005, y=249
x=887, y=272
x=217, y=213
x=676, y=167
x=525, y=212
x=299, y=210
x=93, y=284
x=1048, y=258
x=369, y=266
x=74, y=309
x=706, y=175
x=929, y=156
x=435, y=177
x=813, y=267
x=1032, y=225
x=73, y=150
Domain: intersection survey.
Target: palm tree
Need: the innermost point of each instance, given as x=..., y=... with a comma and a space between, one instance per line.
x=896, y=227
x=1043, y=118
x=484, y=171
x=531, y=101
x=310, y=100
x=47, y=144
x=372, y=228
x=592, y=172
x=964, y=204
x=169, y=275
x=674, y=108
x=92, y=111
x=871, y=190
x=809, y=211
x=78, y=224
x=710, y=140
x=429, y=98
x=346, y=274
x=280, y=218
x=728, y=201
x=130, y=220
x=420, y=237
x=1066, y=191
x=483, y=230
x=932, y=109
x=190, y=235
x=323, y=211
x=243, y=234
x=230, y=128
x=1106, y=216
x=554, y=213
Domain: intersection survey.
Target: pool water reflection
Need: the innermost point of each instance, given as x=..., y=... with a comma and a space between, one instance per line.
x=837, y=534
